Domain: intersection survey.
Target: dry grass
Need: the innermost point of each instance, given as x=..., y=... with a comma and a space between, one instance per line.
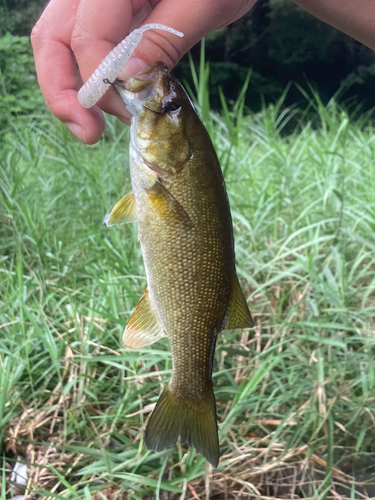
x=261, y=468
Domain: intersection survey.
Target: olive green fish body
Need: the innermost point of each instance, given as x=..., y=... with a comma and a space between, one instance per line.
x=186, y=236
x=189, y=266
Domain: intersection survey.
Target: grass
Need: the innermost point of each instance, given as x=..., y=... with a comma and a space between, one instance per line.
x=295, y=398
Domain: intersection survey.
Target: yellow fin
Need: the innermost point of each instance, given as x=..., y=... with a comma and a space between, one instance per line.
x=143, y=327
x=239, y=315
x=193, y=420
x=166, y=204
x=124, y=211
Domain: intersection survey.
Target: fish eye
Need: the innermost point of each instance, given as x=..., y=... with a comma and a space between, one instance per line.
x=171, y=106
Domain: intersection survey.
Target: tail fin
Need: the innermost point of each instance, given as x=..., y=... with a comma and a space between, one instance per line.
x=194, y=421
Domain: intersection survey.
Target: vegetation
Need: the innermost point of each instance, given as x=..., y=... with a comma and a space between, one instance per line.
x=295, y=397
x=19, y=93
x=278, y=40
x=19, y=16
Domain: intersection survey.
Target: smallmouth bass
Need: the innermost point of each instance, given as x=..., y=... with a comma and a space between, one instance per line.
x=185, y=230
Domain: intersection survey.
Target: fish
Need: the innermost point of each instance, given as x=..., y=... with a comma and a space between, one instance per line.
x=185, y=231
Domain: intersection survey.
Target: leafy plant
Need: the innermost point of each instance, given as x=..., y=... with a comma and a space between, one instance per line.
x=19, y=91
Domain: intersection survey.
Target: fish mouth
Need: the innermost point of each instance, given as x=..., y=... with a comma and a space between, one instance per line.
x=145, y=90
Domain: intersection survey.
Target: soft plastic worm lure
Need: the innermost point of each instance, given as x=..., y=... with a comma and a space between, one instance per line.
x=108, y=70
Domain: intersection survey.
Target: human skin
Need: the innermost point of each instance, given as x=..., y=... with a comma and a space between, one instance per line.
x=85, y=31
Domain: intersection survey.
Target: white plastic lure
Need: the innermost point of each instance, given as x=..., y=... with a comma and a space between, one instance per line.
x=109, y=69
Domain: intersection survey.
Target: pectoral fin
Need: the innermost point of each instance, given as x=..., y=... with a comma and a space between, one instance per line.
x=239, y=315
x=167, y=206
x=143, y=328
x=124, y=211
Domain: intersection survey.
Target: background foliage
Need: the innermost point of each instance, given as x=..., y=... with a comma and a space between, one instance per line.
x=18, y=87
x=279, y=41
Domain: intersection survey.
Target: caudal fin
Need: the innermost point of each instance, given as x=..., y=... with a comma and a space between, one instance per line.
x=195, y=422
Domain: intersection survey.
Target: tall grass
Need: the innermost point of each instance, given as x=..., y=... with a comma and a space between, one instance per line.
x=295, y=397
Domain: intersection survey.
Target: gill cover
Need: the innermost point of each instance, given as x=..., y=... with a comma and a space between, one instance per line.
x=158, y=104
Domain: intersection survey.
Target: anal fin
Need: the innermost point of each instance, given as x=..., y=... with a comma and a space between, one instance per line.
x=143, y=328
x=124, y=211
x=239, y=315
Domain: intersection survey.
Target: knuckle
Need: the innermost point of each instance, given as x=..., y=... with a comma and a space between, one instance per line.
x=79, y=38
x=165, y=49
x=219, y=6
x=53, y=101
x=37, y=33
x=228, y=12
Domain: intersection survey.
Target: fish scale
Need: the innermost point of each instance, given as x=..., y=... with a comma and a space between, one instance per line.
x=185, y=231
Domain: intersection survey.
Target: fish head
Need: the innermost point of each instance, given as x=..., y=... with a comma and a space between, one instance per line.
x=161, y=112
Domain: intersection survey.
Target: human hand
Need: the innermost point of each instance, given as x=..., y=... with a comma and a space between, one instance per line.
x=85, y=31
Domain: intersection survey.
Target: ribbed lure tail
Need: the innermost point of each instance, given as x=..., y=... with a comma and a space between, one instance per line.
x=195, y=422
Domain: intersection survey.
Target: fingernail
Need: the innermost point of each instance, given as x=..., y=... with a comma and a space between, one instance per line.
x=76, y=130
x=134, y=66
x=124, y=119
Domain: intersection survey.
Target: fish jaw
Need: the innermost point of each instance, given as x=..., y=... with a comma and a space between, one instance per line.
x=133, y=104
x=140, y=90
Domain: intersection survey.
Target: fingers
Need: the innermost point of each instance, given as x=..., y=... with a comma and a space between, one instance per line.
x=85, y=31
x=57, y=73
x=98, y=28
x=195, y=19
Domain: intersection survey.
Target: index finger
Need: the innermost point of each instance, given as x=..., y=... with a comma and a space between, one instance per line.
x=58, y=75
x=99, y=27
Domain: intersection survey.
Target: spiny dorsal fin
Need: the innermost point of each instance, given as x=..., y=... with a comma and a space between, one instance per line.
x=124, y=211
x=239, y=315
x=143, y=327
x=166, y=204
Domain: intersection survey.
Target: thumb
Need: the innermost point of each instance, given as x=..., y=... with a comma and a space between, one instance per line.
x=195, y=19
